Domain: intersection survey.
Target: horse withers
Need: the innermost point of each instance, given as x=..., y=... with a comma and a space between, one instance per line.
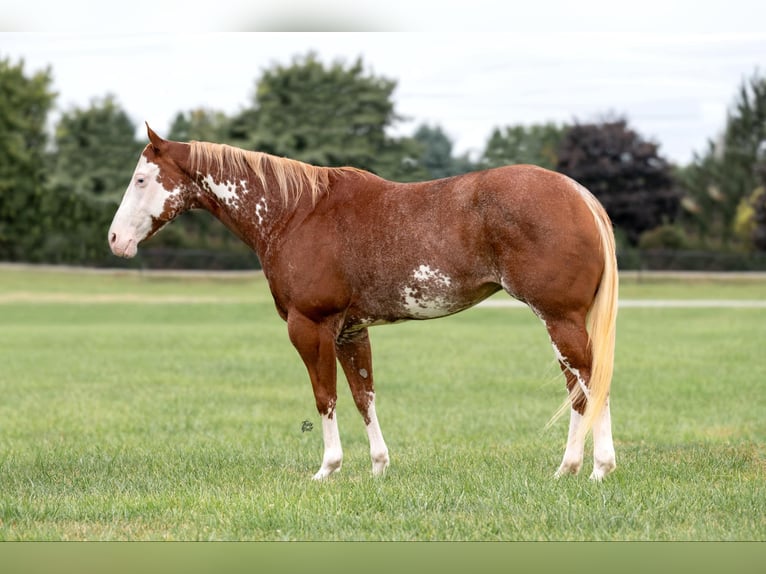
x=344, y=250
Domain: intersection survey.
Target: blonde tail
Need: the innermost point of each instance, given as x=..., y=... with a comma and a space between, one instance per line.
x=601, y=325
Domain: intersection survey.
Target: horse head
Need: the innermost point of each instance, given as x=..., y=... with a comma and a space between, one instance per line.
x=159, y=191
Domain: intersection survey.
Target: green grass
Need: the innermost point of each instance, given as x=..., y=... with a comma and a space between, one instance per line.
x=130, y=420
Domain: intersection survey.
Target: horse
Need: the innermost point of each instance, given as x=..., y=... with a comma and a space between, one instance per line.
x=344, y=250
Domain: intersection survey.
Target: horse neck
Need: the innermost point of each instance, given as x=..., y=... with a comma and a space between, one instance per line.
x=251, y=205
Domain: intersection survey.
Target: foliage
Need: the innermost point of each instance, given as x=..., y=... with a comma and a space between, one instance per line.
x=759, y=209
x=25, y=101
x=93, y=160
x=664, y=237
x=200, y=124
x=96, y=149
x=326, y=115
x=745, y=225
x=633, y=182
x=535, y=144
x=727, y=173
x=56, y=200
x=437, y=157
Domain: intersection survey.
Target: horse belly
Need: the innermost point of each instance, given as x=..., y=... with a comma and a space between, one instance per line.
x=422, y=292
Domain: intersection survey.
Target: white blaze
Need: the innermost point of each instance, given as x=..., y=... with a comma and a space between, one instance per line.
x=144, y=201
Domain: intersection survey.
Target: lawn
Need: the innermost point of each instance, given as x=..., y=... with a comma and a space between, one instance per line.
x=143, y=407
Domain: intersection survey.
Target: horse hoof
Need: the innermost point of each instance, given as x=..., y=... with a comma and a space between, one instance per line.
x=601, y=469
x=325, y=472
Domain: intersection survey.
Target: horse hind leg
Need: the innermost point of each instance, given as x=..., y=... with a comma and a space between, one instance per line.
x=355, y=357
x=569, y=339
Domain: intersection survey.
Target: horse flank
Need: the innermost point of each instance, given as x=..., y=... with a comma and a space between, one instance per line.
x=292, y=177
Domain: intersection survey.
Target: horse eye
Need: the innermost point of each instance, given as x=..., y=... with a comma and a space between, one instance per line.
x=140, y=181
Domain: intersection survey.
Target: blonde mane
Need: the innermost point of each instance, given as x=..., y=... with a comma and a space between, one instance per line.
x=292, y=177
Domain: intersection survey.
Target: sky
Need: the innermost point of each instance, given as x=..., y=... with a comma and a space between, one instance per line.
x=673, y=68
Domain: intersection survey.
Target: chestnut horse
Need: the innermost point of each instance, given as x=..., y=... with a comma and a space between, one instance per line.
x=343, y=250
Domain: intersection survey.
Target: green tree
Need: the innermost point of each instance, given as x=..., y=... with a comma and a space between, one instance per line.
x=96, y=149
x=625, y=171
x=436, y=156
x=536, y=144
x=94, y=157
x=759, y=205
x=726, y=175
x=25, y=101
x=200, y=124
x=325, y=115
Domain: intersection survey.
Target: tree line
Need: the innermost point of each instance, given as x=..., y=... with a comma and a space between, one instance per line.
x=59, y=190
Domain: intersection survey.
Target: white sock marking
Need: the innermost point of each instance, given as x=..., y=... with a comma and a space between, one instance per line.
x=378, y=448
x=573, y=454
x=603, y=446
x=333, y=453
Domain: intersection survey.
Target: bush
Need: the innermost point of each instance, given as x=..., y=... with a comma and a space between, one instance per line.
x=665, y=236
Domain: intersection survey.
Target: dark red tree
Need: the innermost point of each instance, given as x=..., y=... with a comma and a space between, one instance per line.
x=624, y=171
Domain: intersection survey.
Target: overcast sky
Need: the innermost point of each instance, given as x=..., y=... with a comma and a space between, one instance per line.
x=673, y=68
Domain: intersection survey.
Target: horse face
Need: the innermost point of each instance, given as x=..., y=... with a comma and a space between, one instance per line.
x=157, y=193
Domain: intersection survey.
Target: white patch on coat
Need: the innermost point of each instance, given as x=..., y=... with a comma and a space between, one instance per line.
x=229, y=192
x=576, y=372
x=425, y=274
x=261, y=209
x=429, y=296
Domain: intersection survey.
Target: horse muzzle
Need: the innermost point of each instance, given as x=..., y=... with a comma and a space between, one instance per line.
x=123, y=245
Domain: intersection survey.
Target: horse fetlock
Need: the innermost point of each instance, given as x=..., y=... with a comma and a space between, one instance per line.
x=568, y=467
x=380, y=463
x=602, y=465
x=329, y=467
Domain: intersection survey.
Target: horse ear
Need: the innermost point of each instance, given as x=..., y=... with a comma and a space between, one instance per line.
x=157, y=142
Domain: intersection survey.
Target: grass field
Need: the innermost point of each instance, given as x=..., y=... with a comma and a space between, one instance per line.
x=140, y=407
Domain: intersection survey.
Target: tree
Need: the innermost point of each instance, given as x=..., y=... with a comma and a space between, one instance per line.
x=96, y=149
x=536, y=144
x=436, y=156
x=24, y=105
x=200, y=124
x=724, y=179
x=325, y=115
x=95, y=154
x=625, y=171
x=759, y=206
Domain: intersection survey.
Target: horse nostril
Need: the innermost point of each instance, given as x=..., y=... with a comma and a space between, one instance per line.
x=112, y=238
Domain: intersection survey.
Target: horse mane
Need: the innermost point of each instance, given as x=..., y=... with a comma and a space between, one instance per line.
x=292, y=177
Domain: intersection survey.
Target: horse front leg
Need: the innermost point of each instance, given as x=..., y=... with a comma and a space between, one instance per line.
x=355, y=357
x=315, y=342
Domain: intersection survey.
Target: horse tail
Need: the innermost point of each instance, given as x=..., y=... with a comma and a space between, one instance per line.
x=601, y=324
